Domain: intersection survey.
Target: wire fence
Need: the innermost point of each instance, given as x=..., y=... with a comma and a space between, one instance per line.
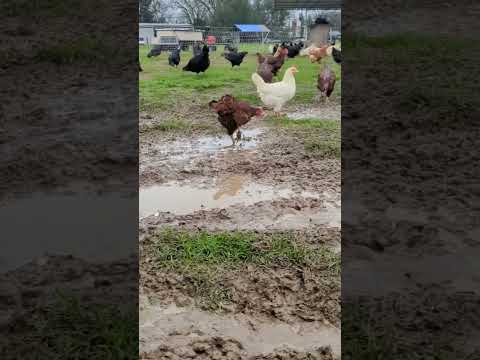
x=220, y=38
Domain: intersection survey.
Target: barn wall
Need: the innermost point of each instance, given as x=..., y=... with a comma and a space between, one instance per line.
x=147, y=34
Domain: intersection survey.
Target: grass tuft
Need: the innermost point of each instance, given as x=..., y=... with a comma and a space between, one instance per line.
x=70, y=329
x=178, y=249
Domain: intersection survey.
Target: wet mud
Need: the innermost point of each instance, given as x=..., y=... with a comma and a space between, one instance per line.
x=194, y=180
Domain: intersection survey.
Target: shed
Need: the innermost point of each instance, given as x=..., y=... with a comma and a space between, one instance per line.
x=250, y=33
x=147, y=31
x=171, y=38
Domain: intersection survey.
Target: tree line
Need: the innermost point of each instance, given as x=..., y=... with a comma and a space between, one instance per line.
x=214, y=12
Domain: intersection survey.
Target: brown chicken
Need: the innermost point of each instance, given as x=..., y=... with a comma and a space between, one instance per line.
x=233, y=114
x=317, y=54
x=269, y=65
x=326, y=82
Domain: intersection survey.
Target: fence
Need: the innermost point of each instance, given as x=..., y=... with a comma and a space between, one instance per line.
x=219, y=37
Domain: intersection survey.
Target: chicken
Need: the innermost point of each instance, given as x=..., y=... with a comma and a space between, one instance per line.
x=235, y=58
x=233, y=114
x=155, y=51
x=294, y=50
x=174, y=58
x=268, y=66
x=230, y=48
x=199, y=63
x=275, y=48
x=337, y=55
x=276, y=95
x=326, y=82
x=306, y=51
x=317, y=54
x=197, y=49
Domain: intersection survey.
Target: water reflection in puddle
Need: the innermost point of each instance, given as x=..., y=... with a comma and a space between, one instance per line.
x=180, y=150
x=185, y=199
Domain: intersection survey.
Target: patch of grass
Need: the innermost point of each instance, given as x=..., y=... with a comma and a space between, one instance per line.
x=323, y=148
x=327, y=125
x=208, y=292
x=320, y=137
x=177, y=249
x=163, y=87
x=69, y=329
x=202, y=256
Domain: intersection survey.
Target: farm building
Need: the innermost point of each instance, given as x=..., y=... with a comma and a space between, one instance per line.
x=148, y=31
x=169, y=39
x=244, y=33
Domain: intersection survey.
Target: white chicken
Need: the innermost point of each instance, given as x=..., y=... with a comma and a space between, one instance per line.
x=276, y=95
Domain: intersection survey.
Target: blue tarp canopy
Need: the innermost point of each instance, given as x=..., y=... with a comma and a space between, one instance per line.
x=252, y=28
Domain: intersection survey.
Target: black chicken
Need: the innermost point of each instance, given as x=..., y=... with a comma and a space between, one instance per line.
x=154, y=51
x=235, y=58
x=197, y=49
x=199, y=63
x=174, y=58
x=230, y=48
x=337, y=55
x=294, y=50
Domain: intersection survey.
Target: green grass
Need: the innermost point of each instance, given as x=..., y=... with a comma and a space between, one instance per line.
x=321, y=137
x=68, y=329
x=163, y=87
x=188, y=250
x=202, y=257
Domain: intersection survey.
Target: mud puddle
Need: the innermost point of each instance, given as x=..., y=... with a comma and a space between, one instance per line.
x=393, y=272
x=30, y=232
x=207, y=145
x=185, y=199
x=178, y=326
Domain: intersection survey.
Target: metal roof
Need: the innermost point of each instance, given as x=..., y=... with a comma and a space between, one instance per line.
x=166, y=26
x=307, y=4
x=254, y=28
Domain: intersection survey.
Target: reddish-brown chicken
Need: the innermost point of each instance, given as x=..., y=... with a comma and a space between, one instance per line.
x=269, y=65
x=233, y=114
x=326, y=82
x=317, y=54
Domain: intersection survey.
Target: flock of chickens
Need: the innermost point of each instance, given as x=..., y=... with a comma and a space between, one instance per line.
x=233, y=114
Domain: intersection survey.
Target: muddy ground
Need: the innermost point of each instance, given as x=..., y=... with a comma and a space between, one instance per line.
x=410, y=231
x=269, y=185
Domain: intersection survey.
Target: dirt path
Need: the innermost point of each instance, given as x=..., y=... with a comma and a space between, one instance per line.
x=193, y=180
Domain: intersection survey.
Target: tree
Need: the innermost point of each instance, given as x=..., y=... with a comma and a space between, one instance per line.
x=265, y=13
x=229, y=12
x=152, y=11
x=195, y=11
